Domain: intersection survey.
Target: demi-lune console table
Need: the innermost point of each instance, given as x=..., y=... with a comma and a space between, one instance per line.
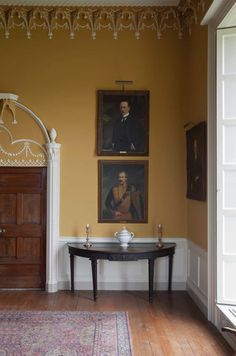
x=113, y=252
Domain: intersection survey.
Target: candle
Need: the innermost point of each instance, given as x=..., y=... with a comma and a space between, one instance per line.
x=87, y=228
x=159, y=234
x=87, y=242
x=159, y=230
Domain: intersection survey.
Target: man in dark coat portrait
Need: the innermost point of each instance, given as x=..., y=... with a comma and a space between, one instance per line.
x=128, y=133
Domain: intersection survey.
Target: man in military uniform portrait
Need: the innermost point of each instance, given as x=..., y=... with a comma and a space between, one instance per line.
x=124, y=201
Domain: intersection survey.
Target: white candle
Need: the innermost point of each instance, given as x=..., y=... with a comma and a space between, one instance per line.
x=159, y=230
x=87, y=229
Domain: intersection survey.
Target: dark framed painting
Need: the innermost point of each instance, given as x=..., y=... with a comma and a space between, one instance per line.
x=122, y=123
x=123, y=191
x=196, y=138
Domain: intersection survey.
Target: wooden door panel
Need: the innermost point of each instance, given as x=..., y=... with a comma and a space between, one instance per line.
x=14, y=230
x=28, y=247
x=19, y=261
x=7, y=247
x=21, y=179
x=23, y=217
x=21, y=274
x=18, y=270
x=8, y=208
x=31, y=208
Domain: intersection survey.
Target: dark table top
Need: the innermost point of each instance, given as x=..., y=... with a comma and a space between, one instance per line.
x=115, y=248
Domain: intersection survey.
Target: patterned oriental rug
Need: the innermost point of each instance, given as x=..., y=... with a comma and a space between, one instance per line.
x=37, y=333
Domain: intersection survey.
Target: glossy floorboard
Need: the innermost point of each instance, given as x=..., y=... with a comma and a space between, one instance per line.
x=171, y=325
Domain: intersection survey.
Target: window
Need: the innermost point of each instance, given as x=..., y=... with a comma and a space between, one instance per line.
x=226, y=166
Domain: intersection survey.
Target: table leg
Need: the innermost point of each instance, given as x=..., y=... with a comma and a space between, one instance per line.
x=170, y=273
x=72, y=273
x=151, y=274
x=94, y=274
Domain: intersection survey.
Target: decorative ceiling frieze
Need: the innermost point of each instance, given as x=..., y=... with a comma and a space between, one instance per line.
x=115, y=19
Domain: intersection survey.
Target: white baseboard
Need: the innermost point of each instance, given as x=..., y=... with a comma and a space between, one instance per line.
x=199, y=299
x=52, y=288
x=132, y=286
x=197, y=276
x=123, y=275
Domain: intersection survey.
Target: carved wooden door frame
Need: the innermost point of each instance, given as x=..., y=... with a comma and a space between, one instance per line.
x=53, y=187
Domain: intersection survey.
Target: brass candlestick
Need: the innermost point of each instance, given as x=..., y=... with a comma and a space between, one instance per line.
x=159, y=235
x=87, y=242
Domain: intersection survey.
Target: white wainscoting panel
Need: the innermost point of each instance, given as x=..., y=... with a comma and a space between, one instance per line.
x=123, y=275
x=197, y=279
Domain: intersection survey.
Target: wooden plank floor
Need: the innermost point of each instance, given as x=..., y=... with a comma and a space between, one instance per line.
x=171, y=325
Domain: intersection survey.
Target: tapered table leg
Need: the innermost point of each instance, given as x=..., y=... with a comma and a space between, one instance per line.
x=72, y=273
x=94, y=274
x=170, y=273
x=151, y=274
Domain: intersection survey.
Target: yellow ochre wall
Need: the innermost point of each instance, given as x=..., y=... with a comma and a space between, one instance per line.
x=195, y=110
x=58, y=80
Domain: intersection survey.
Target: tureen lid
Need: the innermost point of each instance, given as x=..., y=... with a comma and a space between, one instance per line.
x=124, y=231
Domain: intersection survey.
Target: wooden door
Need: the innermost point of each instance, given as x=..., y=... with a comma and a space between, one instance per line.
x=22, y=227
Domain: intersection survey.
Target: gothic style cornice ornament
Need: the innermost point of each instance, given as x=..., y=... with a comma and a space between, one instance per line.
x=72, y=19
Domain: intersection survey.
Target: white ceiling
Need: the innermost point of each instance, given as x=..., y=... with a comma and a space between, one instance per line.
x=90, y=2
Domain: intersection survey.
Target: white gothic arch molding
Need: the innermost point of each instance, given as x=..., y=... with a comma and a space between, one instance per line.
x=53, y=188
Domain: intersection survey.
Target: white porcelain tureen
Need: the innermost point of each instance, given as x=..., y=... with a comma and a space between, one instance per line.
x=124, y=236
